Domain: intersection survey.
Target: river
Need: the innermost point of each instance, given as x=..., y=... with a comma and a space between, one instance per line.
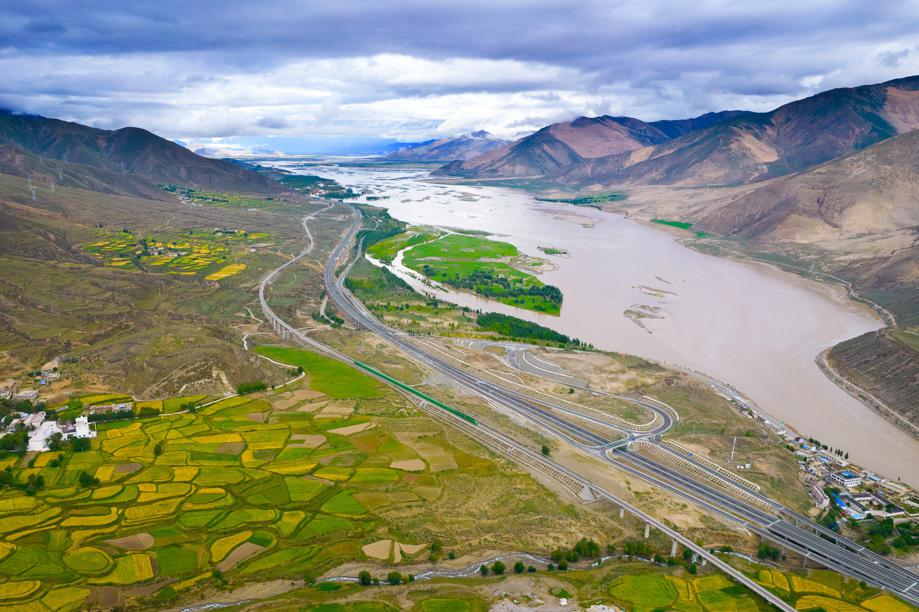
x=750, y=325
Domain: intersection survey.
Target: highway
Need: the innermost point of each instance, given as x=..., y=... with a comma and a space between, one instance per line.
x=761, y=516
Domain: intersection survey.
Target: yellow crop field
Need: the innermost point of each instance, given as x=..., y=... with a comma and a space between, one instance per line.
x=221, y=438
x=226, y=272
x=129, y=569
x=21, y=521
x=106, y=492
x=885, y=603
x=331, y=472
x=809, y=602
x=163, y=491
x=68, y=598
x=148, y=512
x=803, y=585
x=105, y=472
x=6, y=549
x=92, y=520
x=23, y=503
x=290, y=468
x=184, y=473
x=18, y=590
x=222, y=547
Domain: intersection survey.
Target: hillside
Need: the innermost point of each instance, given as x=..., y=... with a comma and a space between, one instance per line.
x=462, y=147
x=874, y=191
x=724, y=149
x=115, y=161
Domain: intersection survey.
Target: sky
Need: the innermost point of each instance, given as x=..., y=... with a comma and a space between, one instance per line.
x=316, y=76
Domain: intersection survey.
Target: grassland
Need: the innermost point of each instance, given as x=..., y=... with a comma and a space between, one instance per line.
x=151, y=325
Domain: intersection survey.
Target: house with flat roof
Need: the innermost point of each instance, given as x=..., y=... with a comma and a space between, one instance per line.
x=845, y=478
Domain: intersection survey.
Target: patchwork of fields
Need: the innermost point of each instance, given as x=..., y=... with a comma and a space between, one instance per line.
x=285, y=484
x=189, y=254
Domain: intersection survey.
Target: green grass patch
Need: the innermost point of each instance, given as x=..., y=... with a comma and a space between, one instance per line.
x=327, y=376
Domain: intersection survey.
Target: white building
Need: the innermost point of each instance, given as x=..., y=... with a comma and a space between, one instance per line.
x=846, y=478
x=83, y=429
x=38, y=439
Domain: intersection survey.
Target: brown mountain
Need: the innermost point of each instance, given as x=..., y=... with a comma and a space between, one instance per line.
x=736, y=149
x=462, y=147
x=116, y=161
x=560, y=146
x=873, y=191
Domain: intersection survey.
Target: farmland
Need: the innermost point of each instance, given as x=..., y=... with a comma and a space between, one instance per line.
x=193, y=253
x=287, y=483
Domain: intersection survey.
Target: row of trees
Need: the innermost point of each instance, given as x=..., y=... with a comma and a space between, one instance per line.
x=518, y=328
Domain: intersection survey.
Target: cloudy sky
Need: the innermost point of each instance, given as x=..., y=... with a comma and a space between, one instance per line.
x=313, y=75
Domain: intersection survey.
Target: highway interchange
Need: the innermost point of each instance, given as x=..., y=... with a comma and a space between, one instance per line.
x=748, y=508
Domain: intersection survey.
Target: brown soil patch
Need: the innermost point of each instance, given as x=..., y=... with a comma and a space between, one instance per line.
x=127, y=468
x=307, y=440
x=138, y=541
x=378, y=550
x=351, y=429
x=258, y=417
x=239, y=554
x=231, y=448
x=412, y=549
x=409, y=465
x=337, y=409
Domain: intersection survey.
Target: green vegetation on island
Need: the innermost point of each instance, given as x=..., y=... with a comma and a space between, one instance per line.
x=587, y=200
x=482, y=266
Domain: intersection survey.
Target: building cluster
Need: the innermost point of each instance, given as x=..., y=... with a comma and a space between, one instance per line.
x=13, y=389
x=41, y=430
x=860, y=492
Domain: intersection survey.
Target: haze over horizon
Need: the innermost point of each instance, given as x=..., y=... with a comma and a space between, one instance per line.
x=336, y=78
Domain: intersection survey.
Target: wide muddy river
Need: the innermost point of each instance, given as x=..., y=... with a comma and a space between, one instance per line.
x=746, y=324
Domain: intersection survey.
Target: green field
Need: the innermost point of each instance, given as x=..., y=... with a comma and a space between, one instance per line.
x=327, y=375
x=482, y=266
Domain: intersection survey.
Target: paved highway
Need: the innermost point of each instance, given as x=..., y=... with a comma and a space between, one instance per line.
x=841, y=555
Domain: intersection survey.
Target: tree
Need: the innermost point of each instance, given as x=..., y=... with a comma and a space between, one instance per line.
x=158, y=448
x=693, y=568
x=86, y=480
x=497, y=567
x=79, y=445
x=519, y=567
x=394, y=578
x=545, y=450
x=531, y=570
x=563, y=565
x=483, y=569
x=687, y=554
x=364, y=578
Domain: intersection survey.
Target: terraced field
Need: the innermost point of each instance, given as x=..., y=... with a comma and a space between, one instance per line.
x=192, y=253
x=285, y=484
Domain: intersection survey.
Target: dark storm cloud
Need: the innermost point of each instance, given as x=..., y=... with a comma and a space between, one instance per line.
x=652, y=59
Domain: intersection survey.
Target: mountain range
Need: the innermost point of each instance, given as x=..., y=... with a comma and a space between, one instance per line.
x=460, y=148
x=726, y=148
x=127, y=161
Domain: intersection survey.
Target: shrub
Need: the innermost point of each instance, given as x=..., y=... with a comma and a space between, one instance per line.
x=394, y=578
x=250, y=387
x=365, y=578
x=497, y=567
x=519, y=567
